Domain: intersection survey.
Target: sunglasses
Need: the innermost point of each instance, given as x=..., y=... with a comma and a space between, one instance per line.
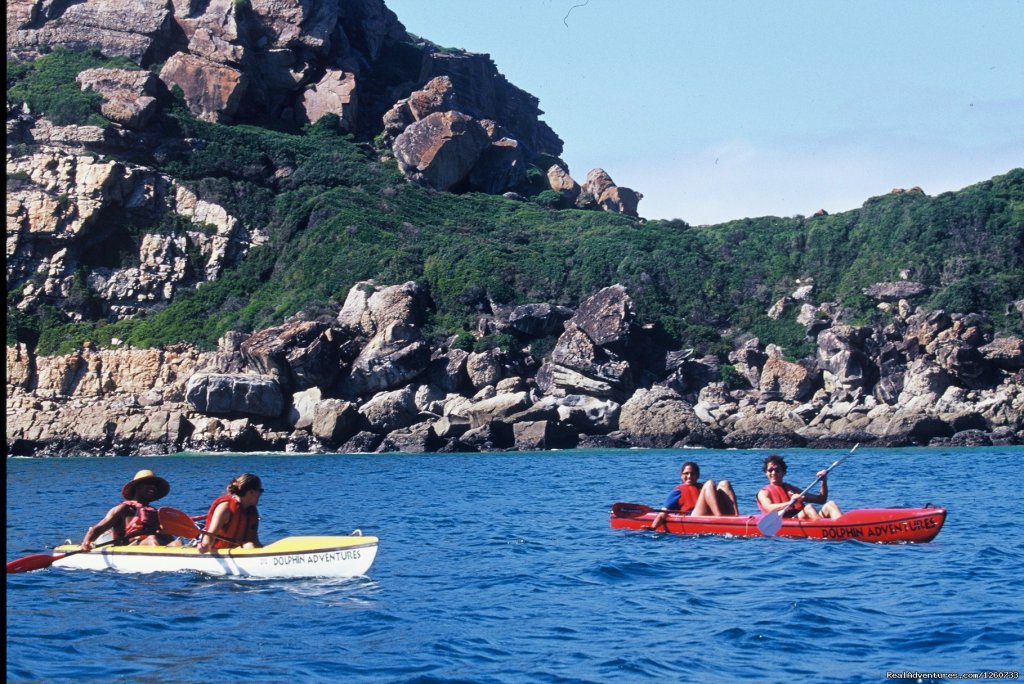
x=775, y=470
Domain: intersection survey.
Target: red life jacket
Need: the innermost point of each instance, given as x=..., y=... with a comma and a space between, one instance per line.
x=688, y=495
x=780, y=494
x=143, y=522
x=240, y=528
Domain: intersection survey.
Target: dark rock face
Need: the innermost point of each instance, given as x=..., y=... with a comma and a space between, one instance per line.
x=301, y=355
x=484, y=93
x=235, y=394
x=451, y=118
x=621, y=391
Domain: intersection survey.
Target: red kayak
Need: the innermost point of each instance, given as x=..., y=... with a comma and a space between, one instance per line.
x=872, y=525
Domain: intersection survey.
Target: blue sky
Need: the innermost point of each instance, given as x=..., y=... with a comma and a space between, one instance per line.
x=722, y=109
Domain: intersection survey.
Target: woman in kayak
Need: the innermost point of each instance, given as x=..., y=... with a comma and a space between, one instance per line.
x=233, y=519
x=694, y=498
x=777, y=494
x=134, y=520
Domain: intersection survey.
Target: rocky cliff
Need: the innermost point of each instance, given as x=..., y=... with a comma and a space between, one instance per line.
x=369, y=381
x=450, y=118
x=98, y=233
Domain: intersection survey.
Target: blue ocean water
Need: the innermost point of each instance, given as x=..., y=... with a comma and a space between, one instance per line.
x=502, y=568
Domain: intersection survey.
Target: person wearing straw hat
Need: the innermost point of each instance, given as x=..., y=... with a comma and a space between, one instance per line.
x=134, y=520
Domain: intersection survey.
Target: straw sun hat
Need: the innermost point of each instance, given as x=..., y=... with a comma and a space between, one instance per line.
x=162, y=487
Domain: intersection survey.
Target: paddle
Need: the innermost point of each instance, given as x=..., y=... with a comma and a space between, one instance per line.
x=39, y=561
x=771, y=523
x=181, y=524
x=631, y=510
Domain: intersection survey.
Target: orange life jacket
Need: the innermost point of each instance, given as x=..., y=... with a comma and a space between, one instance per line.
x=143, y=522
x=240, y=528
x=688, y=495
x=780, y=494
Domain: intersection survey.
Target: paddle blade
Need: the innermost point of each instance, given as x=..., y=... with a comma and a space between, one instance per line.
x=178, y=523
x=35, y=562
x=770, y=524
x=630, y=510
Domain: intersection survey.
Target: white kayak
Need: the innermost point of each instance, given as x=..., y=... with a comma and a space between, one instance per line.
x=341, y=556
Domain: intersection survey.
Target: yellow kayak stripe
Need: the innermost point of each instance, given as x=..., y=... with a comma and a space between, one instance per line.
x=288, y=545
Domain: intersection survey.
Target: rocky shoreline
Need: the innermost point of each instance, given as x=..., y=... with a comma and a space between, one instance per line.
x=369, y=381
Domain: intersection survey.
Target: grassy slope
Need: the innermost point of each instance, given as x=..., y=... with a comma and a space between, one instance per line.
x=341, y=217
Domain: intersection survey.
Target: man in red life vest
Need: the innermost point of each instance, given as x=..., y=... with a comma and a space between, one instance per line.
x=694, y=498
x=777, y=494
x=134, y=520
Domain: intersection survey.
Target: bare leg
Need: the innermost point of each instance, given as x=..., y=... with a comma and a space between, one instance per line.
x=831, y=510
x=808, y=513
x=707, y=502
x=727, y=498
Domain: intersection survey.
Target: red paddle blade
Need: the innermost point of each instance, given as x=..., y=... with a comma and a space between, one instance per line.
x=34, y=562
x=178, y=523
x=630, y=510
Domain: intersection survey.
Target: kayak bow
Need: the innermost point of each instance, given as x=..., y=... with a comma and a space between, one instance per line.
x=872, y=525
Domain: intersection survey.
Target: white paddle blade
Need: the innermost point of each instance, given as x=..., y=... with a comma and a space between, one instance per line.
x=770, y=524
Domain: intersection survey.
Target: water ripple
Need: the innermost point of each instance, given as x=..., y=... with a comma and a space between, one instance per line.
x=539, y=589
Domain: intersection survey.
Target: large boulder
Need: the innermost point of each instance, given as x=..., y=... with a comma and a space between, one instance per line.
x=224, y=394
x=1006, y=353
x=301, y=355
x=440, y=150
x=589, y=415
x=368, y=309
x=608, y=318
x=763, y=433
x=609, y=196
x=539, y=320
x=840, y=356
x=213, y=92
x=500, y=167
x=543, y=434
x=334, y=421
x=559, y=381
x=335, y=93
x=561, y=182
x=128, y=94
x=790, y=381
x=577, y=350
x=390, y=411
x=484, y=93
x=447, y=370
x=485, y=368
x=395, y=356
x=657, y=417
x=496, y=408
x=118, y=28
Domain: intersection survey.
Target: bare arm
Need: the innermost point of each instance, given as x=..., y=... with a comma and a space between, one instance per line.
x=114, y=516
x=221, y=516
x=252, y=535
x=822, y=496
x=766, y=502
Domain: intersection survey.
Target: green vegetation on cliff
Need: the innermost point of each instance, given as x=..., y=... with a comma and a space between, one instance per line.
x=336, y=215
